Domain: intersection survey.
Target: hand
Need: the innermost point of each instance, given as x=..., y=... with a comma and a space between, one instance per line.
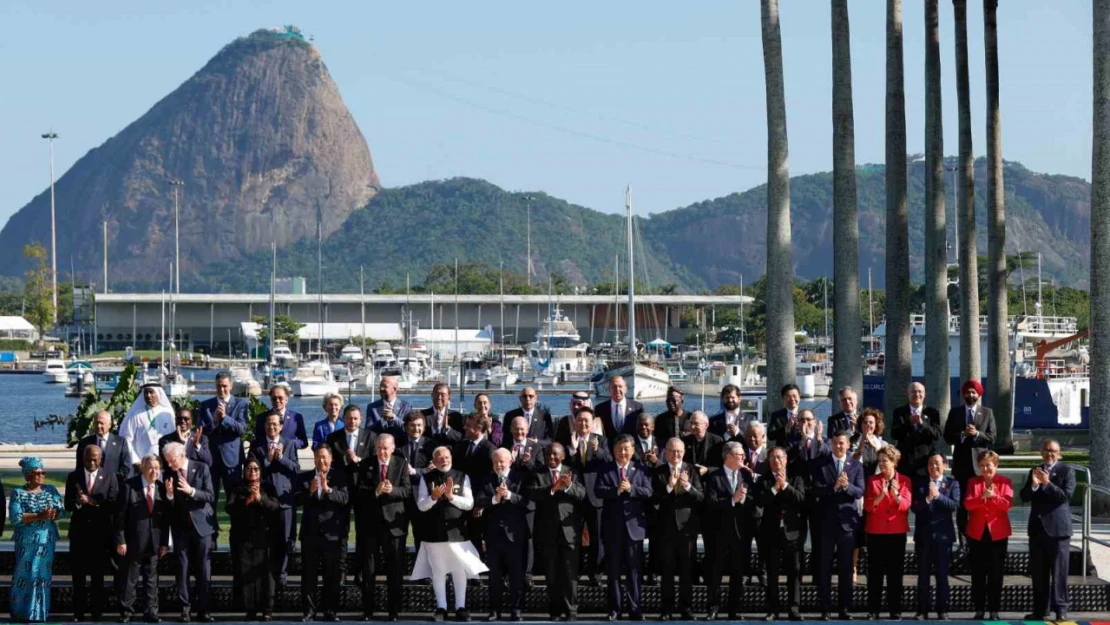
x=651, y=457
x=83, y=499
x=437, y=492
x=625, y=486
x=449, y=492
x=673, y=481
x=915, y=418
x=933, y=492
x=1039, y=476
x=701, y=469
x=842, y=481
x=314, y=485
x=562, y=483
x=503, y=492
x=121, y=550
x=780, y=481
x=684, y=481
x=820, y=430
x=809, y=428
x=733, y=430
x=476, y=513
x=169, y=489
x=970, y=430
x=351, y=457
x=534, y=439
x=50, y=514
x=184, y=487
x=740, y=493
x=527, y=456
x=988, y=492
x=385, y=487
x=196, y=437
x=162, y=551
x=324, y=483
x=594, y=442
x=219, y=414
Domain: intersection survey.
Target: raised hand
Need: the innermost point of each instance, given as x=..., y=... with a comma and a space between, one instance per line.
x=503, y=492
x=527, y=456
x=449, y=493
x=197, y=435
x=219, y=414
x=438, y=491
x=684, y=481
x=315, y=485
x=324, y=482
x=842, y=481
x=594, y=442
x=169, y=488
x=780, y=481
x=934, y=492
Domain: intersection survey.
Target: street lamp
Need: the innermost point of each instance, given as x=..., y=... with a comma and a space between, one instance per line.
x=50, y=136
x=176, y=184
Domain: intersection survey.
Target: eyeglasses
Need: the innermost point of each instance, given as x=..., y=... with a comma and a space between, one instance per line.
x=37, y=473
x=1050, y=451
x=184, y=419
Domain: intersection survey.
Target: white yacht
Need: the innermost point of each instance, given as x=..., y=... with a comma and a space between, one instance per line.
x=383, y=356
x=501, y=376
x=351, y=353
x=558, y=351
x=55, y=372
x=282, y=355
x=314, y=378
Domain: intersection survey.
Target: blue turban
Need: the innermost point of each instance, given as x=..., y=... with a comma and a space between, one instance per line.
x=30, y=463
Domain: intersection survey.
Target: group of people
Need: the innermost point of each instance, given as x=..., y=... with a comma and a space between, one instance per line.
x=523, y=493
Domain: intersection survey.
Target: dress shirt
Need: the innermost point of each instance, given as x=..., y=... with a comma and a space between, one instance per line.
x=646, y=444
x=501, y=478
x=352, y=439
x=734, y=481
x=462, y=501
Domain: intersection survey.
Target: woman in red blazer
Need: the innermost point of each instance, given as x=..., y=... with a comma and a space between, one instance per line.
x=988, y=502
x=886, y=500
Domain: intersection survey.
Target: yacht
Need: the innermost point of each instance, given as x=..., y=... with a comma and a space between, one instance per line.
x=55, y=372
x=314, y=377
x=282, y=355
x=351, y=353
x=501, y=376
x=558, y=351
x=80, y=378
x=383, y=356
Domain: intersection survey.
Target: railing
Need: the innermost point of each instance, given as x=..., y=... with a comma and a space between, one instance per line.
x=1085, y=517
x=1036, y=325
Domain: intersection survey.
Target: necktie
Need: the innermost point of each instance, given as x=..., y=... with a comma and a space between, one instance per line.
x=619, y=417
x=839, y=467
x=751, y=458
x=554, y=476
x=624, y=474
x=92, y=480
x=382, y=478
x=102, y=444
x=412, y=453
x=150, y=499
x=732, y=480
x=582, y=448
x=443, y=422
x=970, y=416
x=502, y=480
x=470, y=450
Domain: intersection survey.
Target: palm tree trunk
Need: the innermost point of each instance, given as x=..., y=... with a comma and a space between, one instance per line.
x=1100, y=255
x=780, y=269
x=898, y=349
x=936, y=254
x=998, y=392
x=847, y=369
x=965, y=210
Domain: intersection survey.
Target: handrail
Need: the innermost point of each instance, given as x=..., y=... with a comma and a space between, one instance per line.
x=1087, y=539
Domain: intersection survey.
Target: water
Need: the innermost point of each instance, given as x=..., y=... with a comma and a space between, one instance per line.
x=24, y=398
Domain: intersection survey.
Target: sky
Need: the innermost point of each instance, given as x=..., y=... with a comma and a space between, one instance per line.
x=576, y=99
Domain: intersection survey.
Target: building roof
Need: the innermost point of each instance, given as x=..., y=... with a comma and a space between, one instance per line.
x=15, y=323
x=336, y=331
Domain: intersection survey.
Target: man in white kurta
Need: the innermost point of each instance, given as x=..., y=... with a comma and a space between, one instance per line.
x=149, y=419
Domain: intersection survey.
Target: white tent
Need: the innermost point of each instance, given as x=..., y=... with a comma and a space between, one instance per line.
x=332, y=332
x=17, y=328
x=441, y=341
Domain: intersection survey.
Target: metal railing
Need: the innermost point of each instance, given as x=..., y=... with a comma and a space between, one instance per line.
x=1085, y=515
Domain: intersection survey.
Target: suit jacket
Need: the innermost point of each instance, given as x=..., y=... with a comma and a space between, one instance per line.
x=639, y=455
x=587, y=468
x=915, y=444
x=993, y=513
x=93, y=523
x=506, y=520
x=779, y=429
x=706, y=452
x=376, y=422
x=1051, y=511
x=729, y=519
x=782, y=511
x=718, y=426
x=323, y=429
x=965, y=453
x=837, y=506
x=841, y=421
x=477, y=465
x=932, y=522
x=193, y=452
x=418, y=455
x=633, y=410
x=557, y=520
x=890, y=516
x=364, y=448
x=142, y=530
x=280, y=473
x=117, y=456
x=193, y=515
x=293, y=428
x=326, y=516
x=536, y=449
x=623, y=511
x=668, y=426
x=456, y=421
x=225, y=439
x=385, y=511
x=678, y=514
x=540, y=427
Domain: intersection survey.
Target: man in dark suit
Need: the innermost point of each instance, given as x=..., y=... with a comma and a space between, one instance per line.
x=417, y=450
x=838, y=480
x=677, y=489
x=223, y=419
x=558, y=493
x=970, y=430
x=443, y=425
x=195, y=443
x=537, y=416
x=728, y=501
x=916, y=431
x=292, y=422
x=527, y=454
x=803, y=446
x=142, y=537
x=781, y=532
x=384, y=487
x=1049, y=489
x=845, y=420
x=325, y=521
x=388, y=413
x=503, y=505
x=565, y=425
x=935, y=498
x=755, y=468
x=351, y=445
x=193, y=524
x=589, y=452
x=619, y=414
x=703, y=448
x=91, y=499
x=784, y=421
x=473, y=459
x=648, y=448
x=117, y=456
x=731, y=423
x=675, y=422
x=280, y=467
x=625, y=488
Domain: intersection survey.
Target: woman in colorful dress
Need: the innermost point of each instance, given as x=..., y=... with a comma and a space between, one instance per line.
x=33, y=509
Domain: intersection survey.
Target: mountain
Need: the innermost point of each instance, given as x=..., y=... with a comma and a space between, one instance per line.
x=259, y=136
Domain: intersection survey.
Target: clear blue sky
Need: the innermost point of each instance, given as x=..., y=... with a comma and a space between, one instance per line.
x=574, y=98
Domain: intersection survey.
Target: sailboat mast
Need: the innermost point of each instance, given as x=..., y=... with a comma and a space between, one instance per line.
x=273, y=302
x=362, y=310
x=631, y=280
x=501, y=288
x=320, y=279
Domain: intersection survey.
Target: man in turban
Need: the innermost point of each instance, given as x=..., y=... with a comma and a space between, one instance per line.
x=970, y=431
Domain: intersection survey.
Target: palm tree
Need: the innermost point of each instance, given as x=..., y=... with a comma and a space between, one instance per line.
x=779, y=295
x=898, y=349
x=847, y=370
x=965, y=209
x=998, y=392
x=1100, y=251
x=936, y=254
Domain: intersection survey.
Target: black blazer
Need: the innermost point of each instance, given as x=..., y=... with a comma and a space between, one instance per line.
x=730, y=520
x=325, y=517
x=387, y=510
x=477, y=465
x=778, y=434
x=193, y=452
x=557, y=520
x=193, y=514
x=418, y=455
x=117, y=457
x=915, y=444
x=587, y=468
x=364, y=448
x=143, y=531
x=506, y=521
x=540, y=428
x=782, y=510
x=965, y=454
x=706, y=452
x=536, y=449
x=717, y=426
x=455, y=419
x=668, y=426
x=1051, y=503
x=640, y=455
x=91, y=524
x=678, y=514
x=281, y=474
x=604, y=411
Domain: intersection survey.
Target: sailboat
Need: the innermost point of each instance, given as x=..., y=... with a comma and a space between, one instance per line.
x=645, y=379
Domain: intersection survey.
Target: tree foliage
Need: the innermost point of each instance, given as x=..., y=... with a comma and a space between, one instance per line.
x=287, y=328
x=39, y=305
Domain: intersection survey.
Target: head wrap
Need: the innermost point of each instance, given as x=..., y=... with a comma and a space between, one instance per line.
x=30, y=463
x=675, y=389
x=975, y=384
x=581, y=395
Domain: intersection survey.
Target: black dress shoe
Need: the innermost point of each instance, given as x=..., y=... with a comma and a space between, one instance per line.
x=921, y=616
x=205, y=618
x=825, y=616
x=711, y=615
x=330, y=617
x=771, y=616
x=125, y=618
x=392, y=618
x=184, y=618
x=1062, y=616
x=462, y=616
x=844, y=616
x=796, y=616
x=440, y=615
x=665, y=616
x=895, y=616
x=994, y=616
x=637, y=617
x=308, y=617
x=514, y=616
x=941, y=616
x=687, y=615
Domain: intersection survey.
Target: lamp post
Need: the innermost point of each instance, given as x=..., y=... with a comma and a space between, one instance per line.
x=50, y=136
x=176, y=184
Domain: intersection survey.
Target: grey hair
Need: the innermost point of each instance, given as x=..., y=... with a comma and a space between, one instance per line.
x=675, y=439
x=149, y=458
x=173, y=450
x=840, y=392
x=699, y=413
x=329, y=397
x=500, y=450
x=731, y=447
x=646, y=417
x=384, y=437
x=756, y=425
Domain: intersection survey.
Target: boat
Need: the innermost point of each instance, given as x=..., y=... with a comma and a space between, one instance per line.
x=177, y=386
x=282, y=355
x=314, y=377
x=242, y=380
x=80, y=378
x=383, y=356
x=500, y=376
x=350, y=353
x=558, y=350
x=55, y=372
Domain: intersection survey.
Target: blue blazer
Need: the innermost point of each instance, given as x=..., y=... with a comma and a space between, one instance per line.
x=1051, y=502
x=282, y=474
x=623, y=511
x=932, y=522
x=838, y=507
x=193, y=514
x=374, y=421
x=225, y=440
x=292, y=429
x=322, y=430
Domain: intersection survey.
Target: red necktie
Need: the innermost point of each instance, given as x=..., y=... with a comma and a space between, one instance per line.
x=150, y=499
x=383, y=473
x=623, y=474
x=92, y=481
